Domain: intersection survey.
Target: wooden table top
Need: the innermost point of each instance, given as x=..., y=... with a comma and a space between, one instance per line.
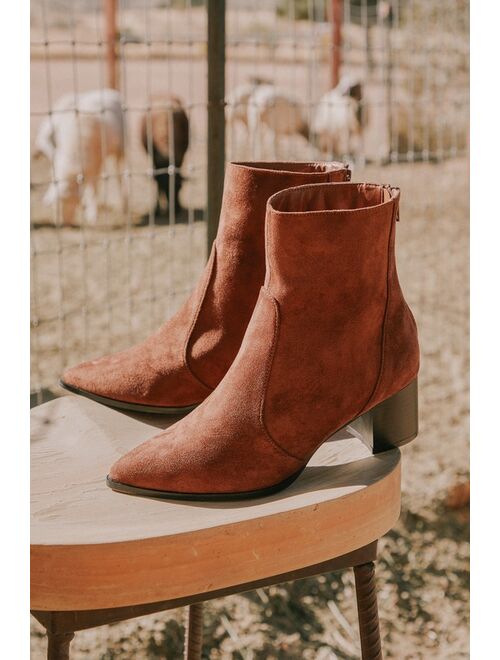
x=94, y=548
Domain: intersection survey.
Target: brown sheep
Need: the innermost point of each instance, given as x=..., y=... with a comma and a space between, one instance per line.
x=165, y=136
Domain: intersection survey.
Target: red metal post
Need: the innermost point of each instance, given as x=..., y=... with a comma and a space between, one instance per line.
x=110, y=16
x=337, y=16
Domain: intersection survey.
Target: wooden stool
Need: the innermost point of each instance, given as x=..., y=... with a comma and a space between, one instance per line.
x=100, y=557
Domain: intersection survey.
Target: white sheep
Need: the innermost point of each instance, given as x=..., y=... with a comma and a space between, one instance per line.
x=237, y=104
x=261, y=107
x=337, y=124
x=237, y=100
x=77, y=138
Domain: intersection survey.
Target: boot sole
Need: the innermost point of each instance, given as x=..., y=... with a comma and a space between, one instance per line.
x=202, y=497
x=125, y=405
x=390, y=424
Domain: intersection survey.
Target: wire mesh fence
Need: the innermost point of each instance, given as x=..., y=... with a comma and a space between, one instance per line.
x=119, y=179
x=403, y=66
x=101, y=281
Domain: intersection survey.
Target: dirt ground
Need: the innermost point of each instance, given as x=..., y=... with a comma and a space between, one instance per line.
x=423, y=567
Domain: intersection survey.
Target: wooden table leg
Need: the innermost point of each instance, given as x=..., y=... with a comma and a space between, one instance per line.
x=194, y=632
x=366, y=597
x=58, y=645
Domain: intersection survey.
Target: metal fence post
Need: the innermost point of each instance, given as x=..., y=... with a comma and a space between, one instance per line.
x=110, y=11
x=337, y=18
x=388, y=82
x=216, y=14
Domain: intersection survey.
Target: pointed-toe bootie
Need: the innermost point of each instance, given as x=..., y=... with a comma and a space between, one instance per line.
x=183, y=362
x=331, y=341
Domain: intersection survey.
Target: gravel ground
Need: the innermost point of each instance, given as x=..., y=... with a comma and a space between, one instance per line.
x=423, y=575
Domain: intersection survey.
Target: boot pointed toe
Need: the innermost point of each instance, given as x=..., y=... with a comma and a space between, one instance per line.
x=143, y=378
x=146, y=467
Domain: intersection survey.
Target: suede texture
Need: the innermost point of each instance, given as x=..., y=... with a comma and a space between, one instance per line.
x=190, y=354
x=330, y=336
x=222, y=446
x=239, y=267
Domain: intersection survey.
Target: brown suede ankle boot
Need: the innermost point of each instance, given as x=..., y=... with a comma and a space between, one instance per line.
x=331, y=340
x=183, y=362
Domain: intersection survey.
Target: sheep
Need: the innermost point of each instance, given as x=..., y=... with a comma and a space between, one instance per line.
x=165, y=137
x=338, y=121
x=237, y=100
x=280, y=112
x=82, y=132
x=237, y=104
x=259, y=105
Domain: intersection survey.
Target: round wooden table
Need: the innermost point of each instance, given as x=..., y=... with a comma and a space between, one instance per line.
x=100, y=556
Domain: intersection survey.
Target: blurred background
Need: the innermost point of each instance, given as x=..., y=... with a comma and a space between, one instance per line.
x=125, y=187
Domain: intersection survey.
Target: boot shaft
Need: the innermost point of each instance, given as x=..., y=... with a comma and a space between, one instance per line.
x=237, y=263
x=345, y=337
x=331, y=245
x=247, y=188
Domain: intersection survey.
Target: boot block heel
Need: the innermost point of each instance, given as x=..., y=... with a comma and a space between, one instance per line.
x=392, y=423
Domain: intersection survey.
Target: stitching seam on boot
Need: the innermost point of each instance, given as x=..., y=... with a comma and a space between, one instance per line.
x=196, y=315
x=267, y=375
